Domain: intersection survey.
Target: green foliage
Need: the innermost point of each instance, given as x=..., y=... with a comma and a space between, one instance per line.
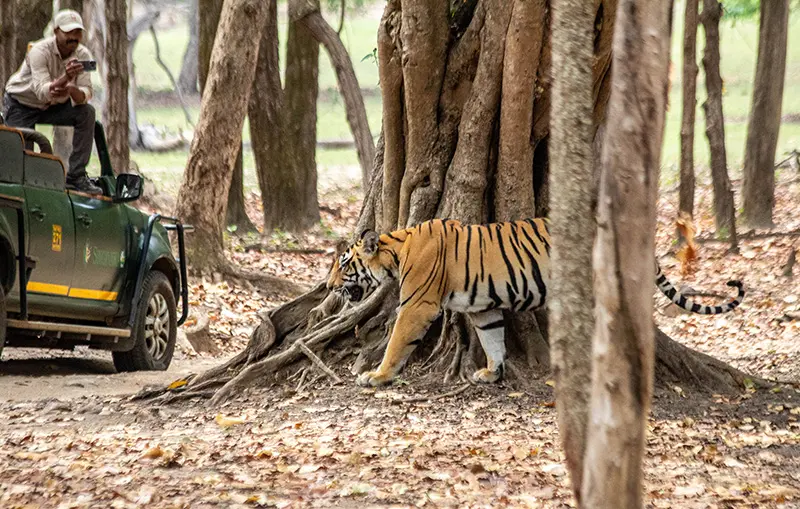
x=740, y=9
x=736, y=10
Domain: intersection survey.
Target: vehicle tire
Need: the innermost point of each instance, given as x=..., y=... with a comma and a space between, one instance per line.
x=3, y=319
x=155, y=328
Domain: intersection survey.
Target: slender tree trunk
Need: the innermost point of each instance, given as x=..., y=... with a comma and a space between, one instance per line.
x=623, y=353
x=264, y=111
x=298, y=196
x=758, y=186
x=235, y=212
x=724, y=210
x=571, y=298
x=689, y=79
x=209, y=20
x=307, y=13
x=207, y=179
x=188, y=78
x=116, y=111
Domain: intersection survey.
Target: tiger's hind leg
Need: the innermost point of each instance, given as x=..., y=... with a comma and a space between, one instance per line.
x=409, y=328
x=491, y=332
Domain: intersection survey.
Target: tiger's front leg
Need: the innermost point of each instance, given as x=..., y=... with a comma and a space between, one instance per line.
x=410, y=326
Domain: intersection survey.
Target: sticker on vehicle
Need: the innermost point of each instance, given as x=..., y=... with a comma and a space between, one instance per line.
x=56, y=238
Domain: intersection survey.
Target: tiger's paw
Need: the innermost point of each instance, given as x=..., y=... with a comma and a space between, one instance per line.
x=486, y=376
x=373, y=379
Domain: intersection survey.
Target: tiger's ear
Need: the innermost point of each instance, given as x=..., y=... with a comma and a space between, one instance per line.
x=369, y=242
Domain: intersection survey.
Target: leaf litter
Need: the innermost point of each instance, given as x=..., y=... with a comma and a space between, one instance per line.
x=492, y=446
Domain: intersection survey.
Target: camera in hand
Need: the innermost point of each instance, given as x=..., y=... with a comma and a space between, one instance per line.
x=88, y=65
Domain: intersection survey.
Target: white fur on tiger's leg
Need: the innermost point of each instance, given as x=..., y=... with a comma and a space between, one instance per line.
x=408, y=330
x=490, y=328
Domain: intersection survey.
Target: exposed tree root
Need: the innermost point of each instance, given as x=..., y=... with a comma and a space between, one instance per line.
x=262, y=281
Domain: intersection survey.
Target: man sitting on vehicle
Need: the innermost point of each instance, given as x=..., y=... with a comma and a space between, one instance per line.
x=51, y=87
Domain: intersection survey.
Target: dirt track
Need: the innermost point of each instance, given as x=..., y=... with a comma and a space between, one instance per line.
x=31, y=374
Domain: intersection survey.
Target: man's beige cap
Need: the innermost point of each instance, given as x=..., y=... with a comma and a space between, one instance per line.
x=68, y=20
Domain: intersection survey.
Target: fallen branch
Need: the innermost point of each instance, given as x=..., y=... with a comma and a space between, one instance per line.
x=420, y=399
x=318, y=362
x=268, y=249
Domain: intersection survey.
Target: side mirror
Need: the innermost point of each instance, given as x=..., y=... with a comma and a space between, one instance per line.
x=129, y=187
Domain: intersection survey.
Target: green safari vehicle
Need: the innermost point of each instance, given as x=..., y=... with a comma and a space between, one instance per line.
x=79, y=269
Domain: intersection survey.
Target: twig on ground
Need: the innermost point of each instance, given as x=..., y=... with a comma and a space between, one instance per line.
x=318, y=362
x=271, y=249
x=420, y=399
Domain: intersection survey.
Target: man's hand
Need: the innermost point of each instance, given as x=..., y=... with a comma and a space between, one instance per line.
x=58, y=89
x=74, y=68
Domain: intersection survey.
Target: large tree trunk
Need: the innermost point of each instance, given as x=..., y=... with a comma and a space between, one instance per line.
x=689, y=78
x=188, y=78
x=724, y=211
x=207, y=179
x=623, y=352
x=758, y=185
x=116, y=109
x=571, y=298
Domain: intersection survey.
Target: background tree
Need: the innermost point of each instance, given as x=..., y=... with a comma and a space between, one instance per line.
x=217, y=139
x=724, y=210
x=115, y=114
x=623, y=353
x=284, y=127
x=758, y=185
x=689, y=83
x=7, y=41
x=209, y=18
x=573, y=226
x=188, y=78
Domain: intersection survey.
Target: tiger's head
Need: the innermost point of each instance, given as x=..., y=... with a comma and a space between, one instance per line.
x=358, y=270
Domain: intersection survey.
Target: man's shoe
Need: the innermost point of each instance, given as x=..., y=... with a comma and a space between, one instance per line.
x=84, y=185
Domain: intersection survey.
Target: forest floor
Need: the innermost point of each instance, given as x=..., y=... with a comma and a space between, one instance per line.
x=74, y=438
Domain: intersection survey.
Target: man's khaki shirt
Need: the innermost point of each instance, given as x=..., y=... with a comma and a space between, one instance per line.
x=30, y=85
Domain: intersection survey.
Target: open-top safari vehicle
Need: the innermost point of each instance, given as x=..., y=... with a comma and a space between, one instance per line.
x=80, y=269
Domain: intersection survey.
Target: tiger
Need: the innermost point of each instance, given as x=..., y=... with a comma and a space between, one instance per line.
x=474, y=269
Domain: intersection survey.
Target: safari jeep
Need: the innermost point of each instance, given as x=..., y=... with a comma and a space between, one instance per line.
x=79, y=269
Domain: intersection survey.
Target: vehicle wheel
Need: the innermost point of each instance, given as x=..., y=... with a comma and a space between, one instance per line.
x=155, y=328
x=3, y=318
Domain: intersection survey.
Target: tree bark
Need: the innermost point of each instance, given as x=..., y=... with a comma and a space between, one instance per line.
x=299, y=206
x=623, y=353
x=689, y=82
x=264, y=111
x=208, y=21
x=207, y=179
x=758, y=185
x=7, y=41
x=30, y=17
x=570, y=301
x=235, y=212
x=188, y=78
x=348, y=88
x=724, y=210
x=116, y=111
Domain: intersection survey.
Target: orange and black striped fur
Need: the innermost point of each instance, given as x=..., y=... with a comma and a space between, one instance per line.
x=475, y=269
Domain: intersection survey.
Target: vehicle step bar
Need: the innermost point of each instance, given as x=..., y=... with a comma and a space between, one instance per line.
x=71, y=328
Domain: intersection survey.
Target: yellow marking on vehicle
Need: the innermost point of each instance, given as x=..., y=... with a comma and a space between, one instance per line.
x=34, y=286
x=57, y=238
x=84, y=293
